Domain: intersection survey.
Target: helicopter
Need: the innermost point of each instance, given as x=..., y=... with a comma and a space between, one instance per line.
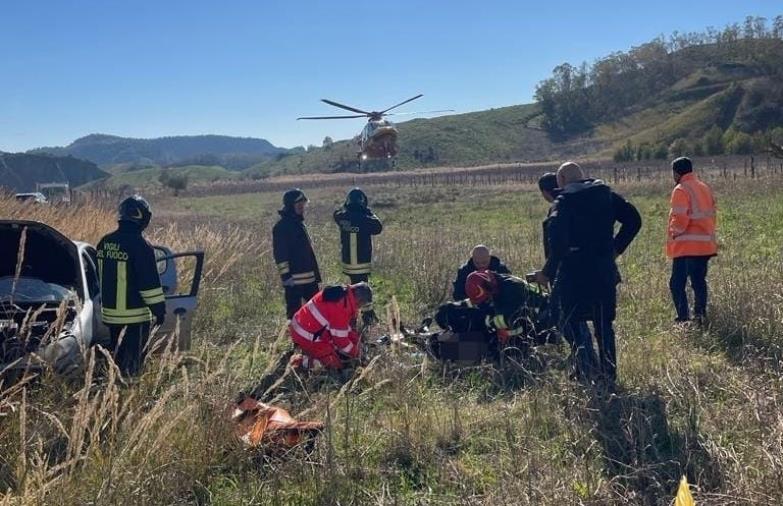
x=378, y=138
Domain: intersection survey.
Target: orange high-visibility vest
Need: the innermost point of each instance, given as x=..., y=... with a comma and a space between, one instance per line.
x=691, y=219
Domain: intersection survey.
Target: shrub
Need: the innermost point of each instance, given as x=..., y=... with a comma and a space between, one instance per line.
x=678, y=148
x=713, y=141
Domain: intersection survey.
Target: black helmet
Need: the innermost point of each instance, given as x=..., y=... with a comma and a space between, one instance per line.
x=293, y=196
x=135, y=210
x=356, y=197
x=548, y=182
x=362, y=292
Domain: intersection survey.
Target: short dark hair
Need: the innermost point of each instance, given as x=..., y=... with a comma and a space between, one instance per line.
x=548, y=182
x=682, y=165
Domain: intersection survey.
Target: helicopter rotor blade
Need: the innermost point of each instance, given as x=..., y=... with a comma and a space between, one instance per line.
x=334, y=117
x=419, y=112
x=402, y=103
x=346, y=107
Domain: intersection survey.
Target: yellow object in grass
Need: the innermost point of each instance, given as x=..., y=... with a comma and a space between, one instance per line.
x=684, y=497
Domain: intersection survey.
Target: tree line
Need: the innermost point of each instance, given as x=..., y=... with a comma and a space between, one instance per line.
x=576, y=98
x=715, y=141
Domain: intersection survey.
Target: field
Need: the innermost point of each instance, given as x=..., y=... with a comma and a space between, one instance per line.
x=704, y=404
x=149, y=178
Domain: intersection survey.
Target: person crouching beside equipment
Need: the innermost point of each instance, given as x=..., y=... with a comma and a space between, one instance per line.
x=511, y=306
x=324, y=328
x=481, y=259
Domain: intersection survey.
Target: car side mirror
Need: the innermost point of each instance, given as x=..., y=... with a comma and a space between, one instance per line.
x=167, y=270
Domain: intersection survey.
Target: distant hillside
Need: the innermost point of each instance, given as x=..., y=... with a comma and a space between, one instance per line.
x=150, y=177
x=20, y=172
x=497, y=135
x=712, y=93
x=704, y=93
x=107, y=150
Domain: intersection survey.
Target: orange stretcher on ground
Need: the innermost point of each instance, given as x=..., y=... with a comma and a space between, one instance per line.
x=262, y=425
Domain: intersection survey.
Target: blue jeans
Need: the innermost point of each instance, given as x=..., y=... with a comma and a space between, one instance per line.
x=694, y=268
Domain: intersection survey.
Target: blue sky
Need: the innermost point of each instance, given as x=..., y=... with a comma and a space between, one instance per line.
x=249, y=68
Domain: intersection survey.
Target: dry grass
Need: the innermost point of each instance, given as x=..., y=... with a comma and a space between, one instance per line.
x=701, y=403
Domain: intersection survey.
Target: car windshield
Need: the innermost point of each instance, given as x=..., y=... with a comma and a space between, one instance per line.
x=32, y=290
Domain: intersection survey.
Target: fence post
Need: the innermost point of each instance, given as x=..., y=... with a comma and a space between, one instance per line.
x=752, y=168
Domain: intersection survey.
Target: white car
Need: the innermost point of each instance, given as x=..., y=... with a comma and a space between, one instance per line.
x=50, y=300
x=34, y=197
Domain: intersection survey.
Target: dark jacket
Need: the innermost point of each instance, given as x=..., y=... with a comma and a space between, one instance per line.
x=516, y=304
x=460, y=316
x=292, y=249
x=582, y=242
x=495, y=265
x=357, y=226
x=545, y=225
x=130, y=284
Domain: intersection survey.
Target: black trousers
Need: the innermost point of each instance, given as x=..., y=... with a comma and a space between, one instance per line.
x=296, y=296
x=129, y=351
x=601, y=311
x=358, y=278
x=695, y=269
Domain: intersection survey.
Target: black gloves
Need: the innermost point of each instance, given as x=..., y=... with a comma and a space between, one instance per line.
x=159, y=312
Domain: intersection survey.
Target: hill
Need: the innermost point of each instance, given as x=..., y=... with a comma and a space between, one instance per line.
x=708, y=94
x=20, y=172
x=503, y=134
x=108, y=150
x=150, y=177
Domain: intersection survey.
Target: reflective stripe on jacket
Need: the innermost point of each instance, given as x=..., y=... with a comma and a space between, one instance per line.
x=514, y=305
x=357, y=226
x=691, y=230
x=293, y=250
x=130, y=283
x=320, y=319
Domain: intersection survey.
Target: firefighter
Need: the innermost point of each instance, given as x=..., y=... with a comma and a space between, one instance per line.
x=510, y=304
x=691, y=239
x=132, y=297
x=325, y=328
x=357, y=225
x=481, y=259
x=582, y=252
x=293, y=252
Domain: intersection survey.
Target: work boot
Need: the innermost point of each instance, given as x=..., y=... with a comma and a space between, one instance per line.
x=369, y=317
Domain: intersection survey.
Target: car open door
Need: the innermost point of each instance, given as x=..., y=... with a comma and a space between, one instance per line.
x=180, y=277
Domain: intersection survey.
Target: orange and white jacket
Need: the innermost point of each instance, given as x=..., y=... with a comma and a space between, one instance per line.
x=327, y=322
x=692, y=219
